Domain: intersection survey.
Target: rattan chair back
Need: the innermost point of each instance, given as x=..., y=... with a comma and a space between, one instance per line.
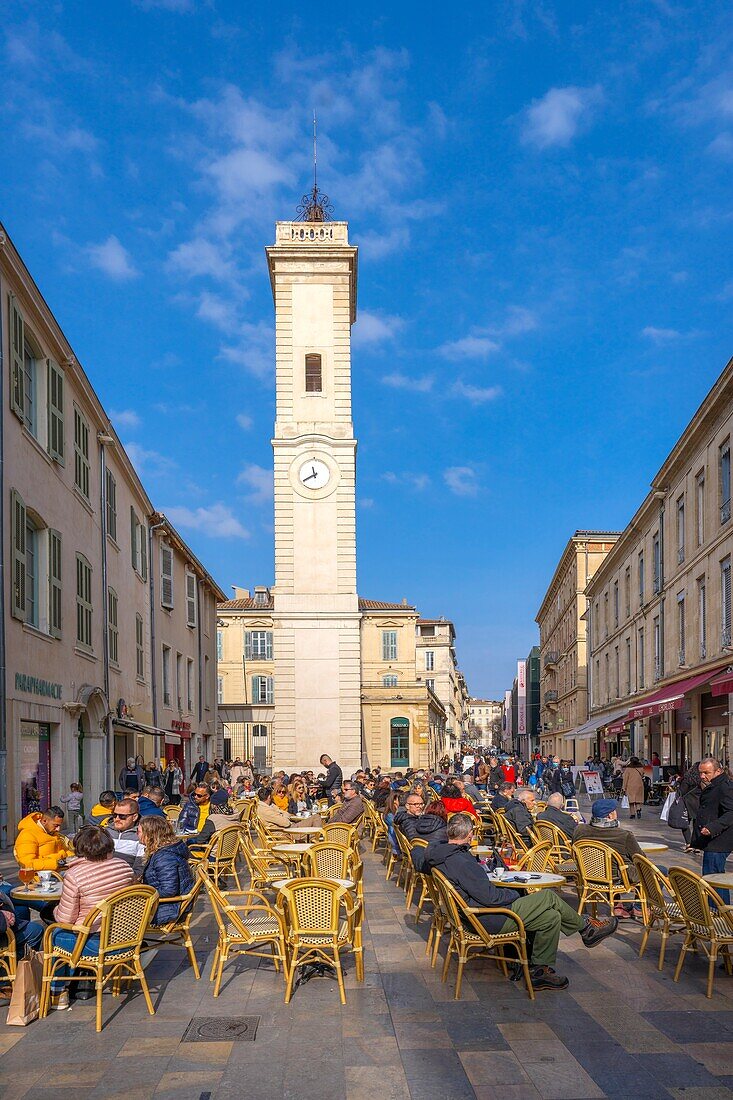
x=338, y=833
x=330, y=861
x=172, y=812
x=537, y=859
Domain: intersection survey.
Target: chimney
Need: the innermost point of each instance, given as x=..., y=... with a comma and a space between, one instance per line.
x=240, y=593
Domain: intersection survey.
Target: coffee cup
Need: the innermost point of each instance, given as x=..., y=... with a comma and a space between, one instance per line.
x=46, y=878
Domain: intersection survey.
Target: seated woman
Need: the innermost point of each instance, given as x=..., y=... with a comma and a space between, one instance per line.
x=92, y=877
x=432, y=825
x=455, y=802
x=219, y=798
x=166, y=868
x=298, y=798
x=394, y=800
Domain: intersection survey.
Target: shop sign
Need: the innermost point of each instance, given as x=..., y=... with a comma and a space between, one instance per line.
x=34, y=686
x=181, y=728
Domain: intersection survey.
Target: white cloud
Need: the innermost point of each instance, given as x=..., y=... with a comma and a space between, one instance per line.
x=366, y=502
x=397, y=381
x=375, y=246
x=149, y=462
x=253, y=349
x=518, y=320
x=201, y=257
x=477, y=395
x=475, y=346
x=661, y=335
x=112, y=258
x=413, y=481
x=722, y=146
x=259, y=481
x=125, y=418
x=461, y=480
x=217, y=521
x=374, y=328
x=556, y=118
x=244, y=420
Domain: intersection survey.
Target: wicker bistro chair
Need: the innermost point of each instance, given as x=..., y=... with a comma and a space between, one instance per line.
x=8, y=956
x=603, y=876
x=178, y=931
x=379, y=835
x=469, y=939
x=537, y=858
x=331, y=861
x=248, y=924
x=125, y=917
x=322, y=919
x=337, y=833
x=222, y=853
x=264, y=866
x=561, y=855
x=172, y=812
x=659, y=910
x=708, y=928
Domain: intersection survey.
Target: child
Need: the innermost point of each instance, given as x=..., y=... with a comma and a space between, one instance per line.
x=74, y=805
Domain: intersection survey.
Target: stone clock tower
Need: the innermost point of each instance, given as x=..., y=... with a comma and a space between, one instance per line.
x=317, y=680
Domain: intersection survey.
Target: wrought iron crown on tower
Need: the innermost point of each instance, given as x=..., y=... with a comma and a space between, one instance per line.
x=314, y=206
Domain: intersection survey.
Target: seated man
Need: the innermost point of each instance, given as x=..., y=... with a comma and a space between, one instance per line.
x=123, y=830
x=518, y=812
x=352, y=806
x=194, y=816
x=544, y=914
x=269, y=813
x=471, y=790
x=604, y=828
x=150, y=802
x=101, y=813
x=556, y=815
x=406, y=818
x=503, y=796
x=39, y=843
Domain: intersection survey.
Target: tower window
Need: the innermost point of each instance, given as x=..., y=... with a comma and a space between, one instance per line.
x=313, y=374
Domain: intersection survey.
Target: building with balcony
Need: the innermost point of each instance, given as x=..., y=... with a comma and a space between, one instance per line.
x=485, y=721
x=562, y=625
x=659, y=619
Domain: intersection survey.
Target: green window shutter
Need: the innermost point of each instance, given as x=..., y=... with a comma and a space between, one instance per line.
x=166, y=576
x=54, y=583
x=133, y=538
x=17, y=347
x=143, y=552
x=248, y=645
x=55, y=412
x=268, y=645
x=17, y=535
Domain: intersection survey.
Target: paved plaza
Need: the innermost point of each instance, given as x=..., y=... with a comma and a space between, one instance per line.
x=622, y=1029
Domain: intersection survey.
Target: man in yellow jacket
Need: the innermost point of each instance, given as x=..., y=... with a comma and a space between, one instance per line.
x=39, y=843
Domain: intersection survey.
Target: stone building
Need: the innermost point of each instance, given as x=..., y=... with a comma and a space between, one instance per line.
x=97, y=584
x=485, y=721
x=660, y=605
x=562, y=623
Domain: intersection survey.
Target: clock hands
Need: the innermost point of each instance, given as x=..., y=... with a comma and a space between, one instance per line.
x=310, y=477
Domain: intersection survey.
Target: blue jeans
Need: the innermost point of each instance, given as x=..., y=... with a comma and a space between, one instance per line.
x=67, y=940
x=713, y=863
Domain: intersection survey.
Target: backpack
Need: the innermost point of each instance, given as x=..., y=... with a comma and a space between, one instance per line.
x=677, y=815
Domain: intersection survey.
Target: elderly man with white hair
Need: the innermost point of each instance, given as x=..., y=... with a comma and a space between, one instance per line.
x=556, y=815
x=519, y=812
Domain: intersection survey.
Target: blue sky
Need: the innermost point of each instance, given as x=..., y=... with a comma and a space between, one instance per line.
x=541, y=195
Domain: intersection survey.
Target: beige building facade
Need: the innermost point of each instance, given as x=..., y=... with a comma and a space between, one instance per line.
x=660, y=605
x=485, y=721
x=437, y=665
x=563, y=653
x=82, y=615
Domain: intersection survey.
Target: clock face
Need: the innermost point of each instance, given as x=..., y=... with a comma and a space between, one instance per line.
x=314, y=474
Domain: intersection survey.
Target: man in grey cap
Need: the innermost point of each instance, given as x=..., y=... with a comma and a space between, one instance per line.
x=605, y=829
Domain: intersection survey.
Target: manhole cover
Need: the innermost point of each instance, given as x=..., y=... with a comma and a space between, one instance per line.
x=217, y=1029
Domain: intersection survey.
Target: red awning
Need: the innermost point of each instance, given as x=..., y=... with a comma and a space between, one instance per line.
x=723, y=683
x=617, y=727
x=669, y=698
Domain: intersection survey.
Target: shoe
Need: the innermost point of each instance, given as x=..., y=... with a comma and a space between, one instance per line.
x=544, y=977
x=60, y=1002
x=597, y=930
x=84, y=991
x=622, y=914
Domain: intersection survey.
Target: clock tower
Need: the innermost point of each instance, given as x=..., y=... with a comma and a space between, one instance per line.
x=316, y=633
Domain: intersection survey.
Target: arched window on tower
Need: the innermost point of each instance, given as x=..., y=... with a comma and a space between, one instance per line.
x=313, y=374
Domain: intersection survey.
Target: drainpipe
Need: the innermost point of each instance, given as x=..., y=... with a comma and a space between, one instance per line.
x=104, y=439
x=3, y=705
x=153, y=681
x=201, y=663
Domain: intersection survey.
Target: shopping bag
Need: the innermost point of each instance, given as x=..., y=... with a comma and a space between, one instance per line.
x=26, y=998
x=665, y=808
x=678, y=816
x=625, y=802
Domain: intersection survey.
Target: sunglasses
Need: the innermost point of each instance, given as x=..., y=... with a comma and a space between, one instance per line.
x=123, y=815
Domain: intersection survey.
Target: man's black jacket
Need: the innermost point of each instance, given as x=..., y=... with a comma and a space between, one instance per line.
x=469, y=878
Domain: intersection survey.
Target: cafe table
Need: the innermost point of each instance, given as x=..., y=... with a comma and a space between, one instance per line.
x=653, y=846
x=281, y=882
x=303, y=830
x=720, y=879
x=528, y=880
x=33, y=892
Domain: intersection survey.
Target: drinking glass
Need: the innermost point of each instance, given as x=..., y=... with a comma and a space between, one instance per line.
x=26, y=876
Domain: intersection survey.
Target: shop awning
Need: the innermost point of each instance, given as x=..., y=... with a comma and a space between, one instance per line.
x=141, y=727
x=723, y=683
x=618, y=726
x=670, y=697
x=591, y=727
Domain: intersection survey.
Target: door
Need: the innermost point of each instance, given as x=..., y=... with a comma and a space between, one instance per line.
x=399, y=743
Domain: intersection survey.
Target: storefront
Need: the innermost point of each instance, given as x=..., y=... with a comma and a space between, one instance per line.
x=35, y=767
x=714, y=719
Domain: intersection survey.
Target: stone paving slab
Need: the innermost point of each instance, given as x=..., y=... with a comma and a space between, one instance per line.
x=621, y=1029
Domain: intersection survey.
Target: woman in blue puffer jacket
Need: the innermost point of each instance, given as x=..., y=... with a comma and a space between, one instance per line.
x=166, y=868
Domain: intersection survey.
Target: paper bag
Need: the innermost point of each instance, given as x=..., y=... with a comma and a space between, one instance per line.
x=666, y=807
x=26, y=998
x=625, y=802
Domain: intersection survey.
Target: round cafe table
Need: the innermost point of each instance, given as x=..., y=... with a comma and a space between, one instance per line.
x=292, y=849
x=529, y=880
x=653, y=846
x=35, y=893
x=303, y=830
x=722, y=879
x=281, y=882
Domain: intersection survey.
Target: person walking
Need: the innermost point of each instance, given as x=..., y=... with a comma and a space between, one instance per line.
x=633, y=786
x=172, y=779
x=714, y=823
x=334, y=777
x=689, y=790
x=132, y=776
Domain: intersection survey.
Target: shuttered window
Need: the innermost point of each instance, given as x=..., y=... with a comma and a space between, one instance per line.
x=81, y=454
x=17, y=366
x=138, y=545
x=258, y=645
x=190, y=599
x=18, y=525
x=139, y=648
x=54, y=583
x=111, y=494
x=262, y=689
x=166, y=576
x=113, y=637
x=55, y=411
x=313, y=374
x=389, y=645
x=166, y=676
x=189, y=685
x=725, y=602
x=83, y=602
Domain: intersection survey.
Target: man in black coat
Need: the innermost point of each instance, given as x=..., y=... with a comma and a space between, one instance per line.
x=544, y=914
x=503, y=796
x=199, y=770
x=714, y=821
x=555, y=814
x=334, y=778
